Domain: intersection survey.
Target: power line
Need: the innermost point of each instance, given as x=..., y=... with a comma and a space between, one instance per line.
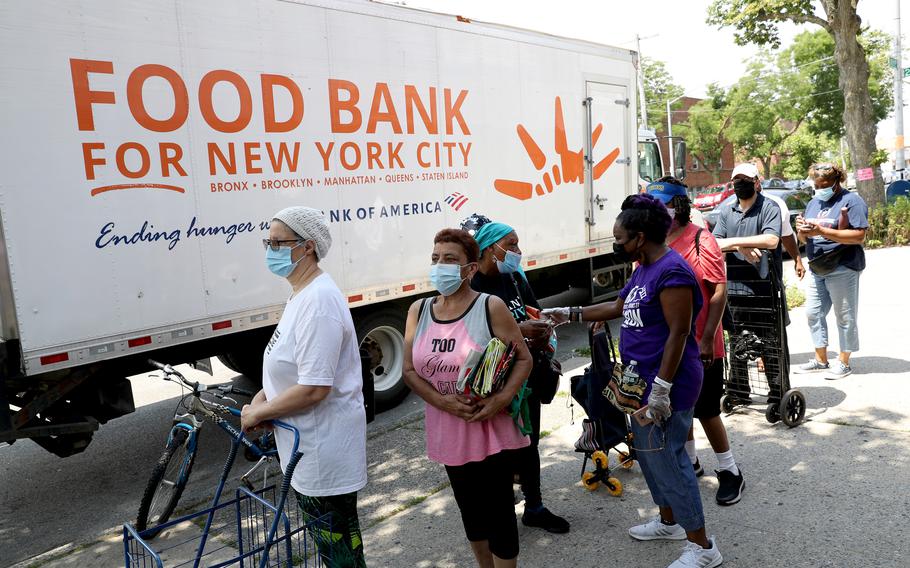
x=773, y=101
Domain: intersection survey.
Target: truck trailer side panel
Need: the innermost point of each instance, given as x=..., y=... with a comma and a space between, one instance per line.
x=146, y=145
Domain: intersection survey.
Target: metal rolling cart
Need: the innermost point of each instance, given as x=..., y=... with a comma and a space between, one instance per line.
x=605, y=428
x=254, y=529
x=758, y=360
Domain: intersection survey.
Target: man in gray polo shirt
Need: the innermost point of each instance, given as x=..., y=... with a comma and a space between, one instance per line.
x=748, y=230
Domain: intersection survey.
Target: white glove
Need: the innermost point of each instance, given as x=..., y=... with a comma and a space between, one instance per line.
x=557, y=316
x=659, y=400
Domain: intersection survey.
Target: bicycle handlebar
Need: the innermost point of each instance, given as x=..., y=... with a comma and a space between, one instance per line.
x=171, y=372
x=198, y=387
x=231, y=389
x=280, y=424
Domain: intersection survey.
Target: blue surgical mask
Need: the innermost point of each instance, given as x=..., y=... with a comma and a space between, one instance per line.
x=446, y=278
x=279, y=261
x=510, y=264
x=824, y=194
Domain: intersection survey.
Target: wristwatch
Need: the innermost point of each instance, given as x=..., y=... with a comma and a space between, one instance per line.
x=575, y=313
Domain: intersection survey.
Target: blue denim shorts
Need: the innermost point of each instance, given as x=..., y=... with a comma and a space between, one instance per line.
x=661, y=452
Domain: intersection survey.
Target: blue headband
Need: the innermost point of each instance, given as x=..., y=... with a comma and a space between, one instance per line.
x=490, y=234
x=666, y=191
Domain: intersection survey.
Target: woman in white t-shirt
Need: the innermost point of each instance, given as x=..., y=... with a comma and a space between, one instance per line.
x=311, y=378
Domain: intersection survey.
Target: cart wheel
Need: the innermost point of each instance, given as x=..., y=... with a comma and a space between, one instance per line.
x=726, y=404
x=589, y=481
x=772, y=414
x=625, y=460
x=600, y=460
x=614, y=487
x=793, y=408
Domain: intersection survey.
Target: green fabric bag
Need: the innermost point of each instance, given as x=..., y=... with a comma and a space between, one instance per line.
x=520, y=411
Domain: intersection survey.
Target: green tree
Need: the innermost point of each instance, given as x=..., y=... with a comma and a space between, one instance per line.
x=659, y=88
x=802, y=149
x=704, y=130
x=757, y=21
x=764, y=110
x=812, y=54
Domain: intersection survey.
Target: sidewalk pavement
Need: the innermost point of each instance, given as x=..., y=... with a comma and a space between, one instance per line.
x=832, y=492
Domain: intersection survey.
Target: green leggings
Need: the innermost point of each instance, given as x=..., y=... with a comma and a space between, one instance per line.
x=339, y=543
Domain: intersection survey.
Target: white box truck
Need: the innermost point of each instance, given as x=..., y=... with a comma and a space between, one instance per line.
x=145, y=146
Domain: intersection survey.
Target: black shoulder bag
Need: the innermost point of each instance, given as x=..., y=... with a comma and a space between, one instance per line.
x=544, y=377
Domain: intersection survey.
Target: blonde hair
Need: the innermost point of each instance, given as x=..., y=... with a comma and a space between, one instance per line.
x=827, y=171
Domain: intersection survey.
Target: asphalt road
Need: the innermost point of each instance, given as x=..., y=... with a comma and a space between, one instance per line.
x=49, y=502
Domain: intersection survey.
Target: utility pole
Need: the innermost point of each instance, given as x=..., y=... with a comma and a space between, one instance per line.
x=899, y=163
x=643, y=104
x=670, y=135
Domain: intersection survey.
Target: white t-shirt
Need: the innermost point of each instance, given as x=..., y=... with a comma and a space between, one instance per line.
x=786, y=229
x=315, y=344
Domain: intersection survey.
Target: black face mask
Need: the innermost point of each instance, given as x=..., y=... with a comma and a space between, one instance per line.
x=622, y=255
x=744, y=188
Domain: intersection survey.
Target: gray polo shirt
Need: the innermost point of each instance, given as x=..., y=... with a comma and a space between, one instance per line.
x=762, y=218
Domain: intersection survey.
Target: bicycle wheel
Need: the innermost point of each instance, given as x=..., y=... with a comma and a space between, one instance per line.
x=167, y=482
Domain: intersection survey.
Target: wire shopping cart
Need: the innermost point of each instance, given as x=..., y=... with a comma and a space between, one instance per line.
x=758, y=358
x=254, y=529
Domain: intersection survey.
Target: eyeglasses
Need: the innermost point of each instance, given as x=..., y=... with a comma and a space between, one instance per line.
x=277, y=244
x=823, y=167
x=657, y=440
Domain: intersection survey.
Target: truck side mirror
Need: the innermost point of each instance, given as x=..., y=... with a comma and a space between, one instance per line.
x=679, y=159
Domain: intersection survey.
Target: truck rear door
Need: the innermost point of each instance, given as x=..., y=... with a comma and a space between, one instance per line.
x=607, y=163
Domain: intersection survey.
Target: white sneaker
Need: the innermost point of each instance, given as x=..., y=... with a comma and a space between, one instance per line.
x=694, y=556
x=656, y=530
x=813, y=366
x=839, y=371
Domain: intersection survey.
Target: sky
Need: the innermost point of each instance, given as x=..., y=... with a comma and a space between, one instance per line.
x=673, y=31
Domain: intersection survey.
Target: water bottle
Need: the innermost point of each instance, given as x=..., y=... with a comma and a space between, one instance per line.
x=630, y=373
x=633, y=385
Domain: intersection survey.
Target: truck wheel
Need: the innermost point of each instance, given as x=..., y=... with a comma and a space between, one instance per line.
x=381, y=334
x=247, y=360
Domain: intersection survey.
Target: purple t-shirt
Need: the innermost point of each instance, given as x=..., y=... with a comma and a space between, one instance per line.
x=645, y=331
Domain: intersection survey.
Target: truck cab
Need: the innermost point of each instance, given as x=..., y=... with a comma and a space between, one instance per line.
x=651, y=160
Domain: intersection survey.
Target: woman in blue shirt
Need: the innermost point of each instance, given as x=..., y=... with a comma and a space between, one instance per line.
x=834, y=229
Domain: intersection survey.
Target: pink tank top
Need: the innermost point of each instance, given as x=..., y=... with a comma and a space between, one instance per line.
x=440, y=347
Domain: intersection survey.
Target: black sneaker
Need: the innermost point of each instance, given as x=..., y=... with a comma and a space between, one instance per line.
x=546, y=520
x=699, y=470
x=731, y=487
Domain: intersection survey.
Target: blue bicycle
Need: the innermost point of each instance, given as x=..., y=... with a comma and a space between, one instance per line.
x=172, y=471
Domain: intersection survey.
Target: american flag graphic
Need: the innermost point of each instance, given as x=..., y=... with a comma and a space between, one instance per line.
x=456, y=200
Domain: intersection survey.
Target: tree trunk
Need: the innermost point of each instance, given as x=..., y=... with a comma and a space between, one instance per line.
x=766, y=166
x=859, y=121
x=715, y=175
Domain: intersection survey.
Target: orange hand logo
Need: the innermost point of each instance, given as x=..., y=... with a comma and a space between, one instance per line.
x=571, y=166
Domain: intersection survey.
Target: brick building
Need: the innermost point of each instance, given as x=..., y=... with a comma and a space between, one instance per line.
x=696, y=174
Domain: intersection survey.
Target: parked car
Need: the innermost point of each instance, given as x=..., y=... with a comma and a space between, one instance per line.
x=712, y=195
x=773, y=183
x=803, y=185
x=796, y=201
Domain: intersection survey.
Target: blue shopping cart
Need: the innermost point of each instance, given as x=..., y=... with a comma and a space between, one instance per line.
x=256, y=528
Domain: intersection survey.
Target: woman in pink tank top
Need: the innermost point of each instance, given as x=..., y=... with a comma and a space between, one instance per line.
x=473, y=439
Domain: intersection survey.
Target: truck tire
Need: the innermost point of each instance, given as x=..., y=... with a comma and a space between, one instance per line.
x=381, y=334
x=246, y=358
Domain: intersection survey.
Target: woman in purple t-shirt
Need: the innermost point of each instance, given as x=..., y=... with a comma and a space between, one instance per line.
x=658, y=307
